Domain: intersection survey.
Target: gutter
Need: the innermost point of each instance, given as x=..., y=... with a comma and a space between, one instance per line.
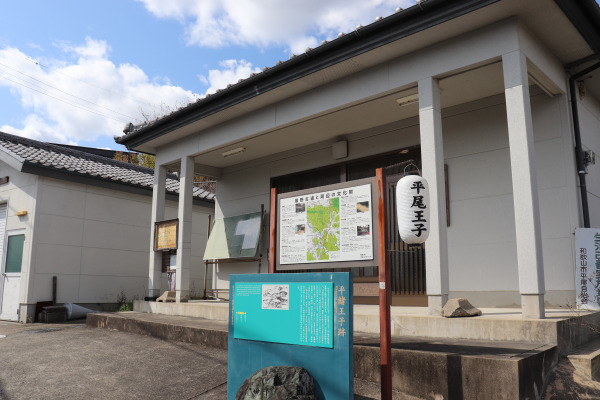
x=578, y=147
x=422, y=16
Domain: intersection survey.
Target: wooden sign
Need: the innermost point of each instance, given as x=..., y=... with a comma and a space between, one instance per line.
x=165, y=235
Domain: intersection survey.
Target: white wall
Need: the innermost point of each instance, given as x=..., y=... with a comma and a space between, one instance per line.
x=20, y=195
x=96, y=241
x=589, y=119
x=482, y=244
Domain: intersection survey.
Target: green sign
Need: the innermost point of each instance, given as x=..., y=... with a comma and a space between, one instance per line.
x=298, y=313
x=234, y=237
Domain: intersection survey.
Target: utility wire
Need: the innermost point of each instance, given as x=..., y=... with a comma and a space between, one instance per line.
x=80, y=80
x=62, y=91
x=65, y=101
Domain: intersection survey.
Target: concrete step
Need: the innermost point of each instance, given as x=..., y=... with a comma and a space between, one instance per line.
x=172, y=328
x=421, y=367
x=586, y=359
x=459, y=369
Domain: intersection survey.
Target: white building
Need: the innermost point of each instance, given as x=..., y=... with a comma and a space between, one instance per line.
x=83, y=219
x=480, y=86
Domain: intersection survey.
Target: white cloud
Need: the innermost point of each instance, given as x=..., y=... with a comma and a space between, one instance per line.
x=231, y=71
x=295, y=24
x=84, y=99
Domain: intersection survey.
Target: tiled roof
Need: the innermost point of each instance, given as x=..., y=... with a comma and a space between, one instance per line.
x=77, y=162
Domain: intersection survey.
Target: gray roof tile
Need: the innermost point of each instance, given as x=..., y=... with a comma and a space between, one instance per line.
x=91, y=165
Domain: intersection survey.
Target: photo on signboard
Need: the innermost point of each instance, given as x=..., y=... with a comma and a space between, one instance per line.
x=300, y=229
x=300, y=207
x=275, y=297
x=362, y=207
x=363, y=230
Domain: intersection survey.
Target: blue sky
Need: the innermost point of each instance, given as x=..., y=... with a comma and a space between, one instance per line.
x=75, y=71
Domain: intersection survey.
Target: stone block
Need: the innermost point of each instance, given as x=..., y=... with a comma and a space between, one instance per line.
x=280, y=382
x=459, y=308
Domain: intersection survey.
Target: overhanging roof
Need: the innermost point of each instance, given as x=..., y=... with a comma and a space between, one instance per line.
x=360, y=49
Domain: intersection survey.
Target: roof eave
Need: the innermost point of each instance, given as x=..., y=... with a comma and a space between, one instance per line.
x=107, y=183
x=415, y=19
x=585, y=17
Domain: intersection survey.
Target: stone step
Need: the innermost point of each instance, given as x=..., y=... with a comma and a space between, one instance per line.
x=586, y=359
x=421, y=367
x=172, y=328
x=459, y=369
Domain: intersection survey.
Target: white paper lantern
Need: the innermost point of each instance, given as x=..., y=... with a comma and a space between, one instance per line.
x=412, y=208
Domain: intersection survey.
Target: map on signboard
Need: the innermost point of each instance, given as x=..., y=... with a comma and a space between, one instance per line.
x=323, y=229
x=234, y=237
x=329, y=226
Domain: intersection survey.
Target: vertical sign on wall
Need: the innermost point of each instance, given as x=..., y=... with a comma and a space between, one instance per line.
x=587, y=267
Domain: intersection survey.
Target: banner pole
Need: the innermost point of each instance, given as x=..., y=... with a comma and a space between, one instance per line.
x=273, y=230
x=384, y=289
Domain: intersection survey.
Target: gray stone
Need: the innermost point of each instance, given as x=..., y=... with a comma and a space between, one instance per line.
x=278, y=383
x=459, y=308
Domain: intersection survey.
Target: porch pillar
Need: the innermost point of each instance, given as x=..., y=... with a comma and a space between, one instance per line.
x=158, y=214
x=184, y=214
x=432, y=159
x=524, y=182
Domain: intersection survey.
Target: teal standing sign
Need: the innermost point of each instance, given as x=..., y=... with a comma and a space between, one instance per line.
x=300, y=320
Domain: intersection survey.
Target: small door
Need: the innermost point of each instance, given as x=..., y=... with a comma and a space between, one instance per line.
x=11, y=277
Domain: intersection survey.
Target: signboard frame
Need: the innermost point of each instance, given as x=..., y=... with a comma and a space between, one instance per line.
x=158, y=225
x=374, y=210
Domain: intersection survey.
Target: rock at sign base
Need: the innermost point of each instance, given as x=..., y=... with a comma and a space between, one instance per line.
x=281, y=383
x=459, y=308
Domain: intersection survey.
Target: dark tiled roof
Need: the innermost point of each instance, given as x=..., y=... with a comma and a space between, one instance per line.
x=90, y=165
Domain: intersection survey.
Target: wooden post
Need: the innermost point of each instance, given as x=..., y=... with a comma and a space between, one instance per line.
x=272, y=230
x=384, y=289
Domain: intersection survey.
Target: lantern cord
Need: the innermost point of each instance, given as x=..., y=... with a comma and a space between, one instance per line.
x=397, y=168
x=414, y=165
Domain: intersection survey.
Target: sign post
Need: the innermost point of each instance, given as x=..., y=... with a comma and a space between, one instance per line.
x=384, y=289
x=273, y=230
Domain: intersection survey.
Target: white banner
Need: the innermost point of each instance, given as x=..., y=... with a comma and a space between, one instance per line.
x=587, y=267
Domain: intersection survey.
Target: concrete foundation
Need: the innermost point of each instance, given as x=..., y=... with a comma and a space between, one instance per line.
x=496, y=355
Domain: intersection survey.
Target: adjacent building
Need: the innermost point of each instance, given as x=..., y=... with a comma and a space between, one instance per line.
x=84, y=219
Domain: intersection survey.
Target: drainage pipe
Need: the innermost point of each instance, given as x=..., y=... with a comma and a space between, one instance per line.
x=578, y=148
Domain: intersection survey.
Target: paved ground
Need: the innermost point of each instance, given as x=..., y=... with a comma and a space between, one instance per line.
x=73, y=361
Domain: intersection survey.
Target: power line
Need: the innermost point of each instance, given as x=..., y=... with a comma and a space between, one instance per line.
x=62, y=91
x=65, y=101
x=80, y=80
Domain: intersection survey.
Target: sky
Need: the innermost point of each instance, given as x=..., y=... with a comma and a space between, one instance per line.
x=77, y=72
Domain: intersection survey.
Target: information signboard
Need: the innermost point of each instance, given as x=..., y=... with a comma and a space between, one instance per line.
x=587, y=267
x=234, y=237
x=331, y=224
x=302, y=320
x=165, y=235
x=293, y=312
